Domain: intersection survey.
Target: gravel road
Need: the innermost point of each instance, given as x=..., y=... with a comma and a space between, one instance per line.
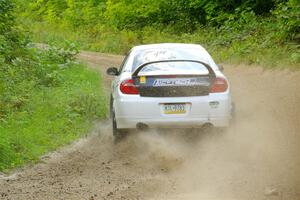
x=258, y=158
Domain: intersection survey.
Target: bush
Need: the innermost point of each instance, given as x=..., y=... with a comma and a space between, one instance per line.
x=38, y=68
x=288, y=18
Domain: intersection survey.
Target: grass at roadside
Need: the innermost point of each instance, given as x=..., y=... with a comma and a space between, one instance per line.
x=52, y=116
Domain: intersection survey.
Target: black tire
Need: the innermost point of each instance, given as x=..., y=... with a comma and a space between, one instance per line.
x=118, y=134
x=114, y=125
x=113, y=118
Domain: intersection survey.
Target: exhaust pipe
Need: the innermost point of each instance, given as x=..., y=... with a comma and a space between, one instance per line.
x=141, y=126
x=207, y=127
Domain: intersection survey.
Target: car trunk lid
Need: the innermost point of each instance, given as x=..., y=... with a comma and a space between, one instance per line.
x=172, y=78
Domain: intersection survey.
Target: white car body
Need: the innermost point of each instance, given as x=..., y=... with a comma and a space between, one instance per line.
x=132, y=110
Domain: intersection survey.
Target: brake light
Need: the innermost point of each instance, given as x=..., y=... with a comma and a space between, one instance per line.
x=128, y=87
x=219, y=85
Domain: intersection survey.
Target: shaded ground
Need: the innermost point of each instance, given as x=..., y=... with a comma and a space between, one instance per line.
x=257, y=158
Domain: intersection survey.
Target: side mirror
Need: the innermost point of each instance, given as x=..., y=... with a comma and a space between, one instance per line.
x=112, y=71
x=221, y=67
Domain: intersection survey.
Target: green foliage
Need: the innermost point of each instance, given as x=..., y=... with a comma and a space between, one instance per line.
x=288, y=18
x=49, y=10
x=46, y=98
x=12, y=41
x=184, y=15
x=52, y=116
x=252, y=31
x=124, y=14
x=72, y=12
x=6, y=18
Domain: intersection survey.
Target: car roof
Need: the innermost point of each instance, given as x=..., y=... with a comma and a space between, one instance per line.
x=169, y=45
x=203, y=54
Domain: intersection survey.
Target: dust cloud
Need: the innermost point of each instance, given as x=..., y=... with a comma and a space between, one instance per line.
x=258, y=153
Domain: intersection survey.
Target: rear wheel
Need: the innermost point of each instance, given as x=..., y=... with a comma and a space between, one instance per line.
x=114, y=124
x=118, y=134
x=113, y=118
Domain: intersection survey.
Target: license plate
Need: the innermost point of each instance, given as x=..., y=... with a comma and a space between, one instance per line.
x=174, y=108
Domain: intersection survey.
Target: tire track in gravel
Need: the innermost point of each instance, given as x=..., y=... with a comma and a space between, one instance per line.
x=257, y=158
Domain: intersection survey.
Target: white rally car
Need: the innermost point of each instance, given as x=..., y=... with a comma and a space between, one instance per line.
x=167, y=86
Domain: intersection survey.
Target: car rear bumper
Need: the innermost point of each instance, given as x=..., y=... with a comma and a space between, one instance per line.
x=132, y=110
x=172, y=123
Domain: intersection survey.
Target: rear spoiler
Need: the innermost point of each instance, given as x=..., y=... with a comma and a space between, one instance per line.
x=211, y=72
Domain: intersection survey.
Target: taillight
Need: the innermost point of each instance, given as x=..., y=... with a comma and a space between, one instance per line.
x=219, y=85
x=128, y=87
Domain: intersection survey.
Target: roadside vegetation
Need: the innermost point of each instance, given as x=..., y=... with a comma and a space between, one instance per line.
x=47, y=99
x=263, y=32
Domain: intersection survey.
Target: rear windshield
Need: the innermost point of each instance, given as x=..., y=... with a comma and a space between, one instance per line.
x=174, y=68
x=151, y=55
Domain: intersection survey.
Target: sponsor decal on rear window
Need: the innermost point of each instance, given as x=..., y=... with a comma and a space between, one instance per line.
x=180, y=82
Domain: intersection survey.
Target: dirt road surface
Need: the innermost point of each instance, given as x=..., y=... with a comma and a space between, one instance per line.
x=258, y=158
